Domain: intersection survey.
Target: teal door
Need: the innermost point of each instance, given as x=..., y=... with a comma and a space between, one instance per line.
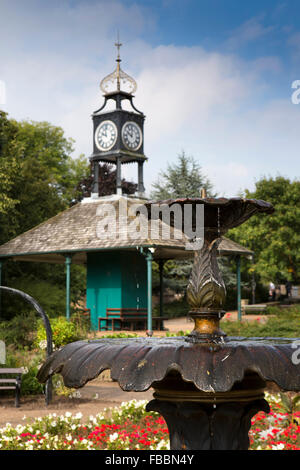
x=115, y=279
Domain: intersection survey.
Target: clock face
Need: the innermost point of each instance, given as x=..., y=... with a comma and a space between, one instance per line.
x=106, y=135
x=132, y=135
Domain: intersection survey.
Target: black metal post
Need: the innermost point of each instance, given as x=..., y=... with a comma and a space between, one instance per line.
x=118, y=175
x=95, y=189
x=141, y=187
x=38, y=308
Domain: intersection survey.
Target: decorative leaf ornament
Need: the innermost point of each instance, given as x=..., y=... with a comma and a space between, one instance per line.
x=206, y=288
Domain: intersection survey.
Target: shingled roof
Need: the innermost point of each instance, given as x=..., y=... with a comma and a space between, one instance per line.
x=76, y=231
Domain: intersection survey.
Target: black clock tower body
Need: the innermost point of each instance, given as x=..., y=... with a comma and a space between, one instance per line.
x=119, y=153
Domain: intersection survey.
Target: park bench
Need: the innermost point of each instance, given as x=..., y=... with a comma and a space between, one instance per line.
x=127, y=318
x=12, y=382
x=258, y=308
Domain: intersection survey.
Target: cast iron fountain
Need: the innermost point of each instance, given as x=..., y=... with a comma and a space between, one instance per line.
x=207, y=386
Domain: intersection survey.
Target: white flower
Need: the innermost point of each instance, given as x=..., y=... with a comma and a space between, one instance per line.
x=278, y=446
x=43, y=344
x=265, y=433
x=113, y=437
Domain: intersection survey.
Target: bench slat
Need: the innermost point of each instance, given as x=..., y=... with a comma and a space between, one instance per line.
x=16, y=370
x=12, y=381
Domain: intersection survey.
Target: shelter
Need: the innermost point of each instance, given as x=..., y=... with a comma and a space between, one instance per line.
x=119, y=264
x=100, y=232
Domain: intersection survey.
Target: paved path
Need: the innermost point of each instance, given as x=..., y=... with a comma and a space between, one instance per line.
x=95, y=395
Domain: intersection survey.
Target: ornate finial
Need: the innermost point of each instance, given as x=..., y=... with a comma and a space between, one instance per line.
x=112, y=82
x=203, y=193
x=118, y=60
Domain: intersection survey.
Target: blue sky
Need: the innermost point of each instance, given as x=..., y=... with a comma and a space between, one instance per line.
x=214, y=78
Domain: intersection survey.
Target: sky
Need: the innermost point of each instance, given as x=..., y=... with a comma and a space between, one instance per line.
x=214, y=78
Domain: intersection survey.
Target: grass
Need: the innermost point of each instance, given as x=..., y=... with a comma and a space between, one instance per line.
x=283, y=323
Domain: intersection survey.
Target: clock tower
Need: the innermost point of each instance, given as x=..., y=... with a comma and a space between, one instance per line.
x=118, y=134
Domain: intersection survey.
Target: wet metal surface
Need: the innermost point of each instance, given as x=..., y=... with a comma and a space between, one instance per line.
x=136, y=363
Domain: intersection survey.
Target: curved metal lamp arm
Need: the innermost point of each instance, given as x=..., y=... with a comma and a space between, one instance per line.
x=47, y=326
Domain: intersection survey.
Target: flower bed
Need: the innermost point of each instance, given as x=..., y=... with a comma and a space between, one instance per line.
x=129, y=427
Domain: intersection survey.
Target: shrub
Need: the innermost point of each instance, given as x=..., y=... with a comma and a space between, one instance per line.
x=19, y=330
x=30, y=385
x=63, y=332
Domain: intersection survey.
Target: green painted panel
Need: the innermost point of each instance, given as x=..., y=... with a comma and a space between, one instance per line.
x=115, y=279
x=134, y=281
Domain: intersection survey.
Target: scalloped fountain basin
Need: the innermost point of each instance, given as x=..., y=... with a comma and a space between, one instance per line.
x=207, y=386
x=137, y=363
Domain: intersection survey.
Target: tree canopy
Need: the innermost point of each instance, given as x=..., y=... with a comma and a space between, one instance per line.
x=181, y=179
x=275, y=238
x=107, y=183
x=38, y=179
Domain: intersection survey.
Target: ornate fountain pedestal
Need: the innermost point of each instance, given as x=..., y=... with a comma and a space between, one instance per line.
x=207, y=386
x=208, y=421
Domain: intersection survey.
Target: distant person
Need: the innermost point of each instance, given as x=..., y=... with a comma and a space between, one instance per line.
x=272, y=291
x=277, y=293
x=288, y=287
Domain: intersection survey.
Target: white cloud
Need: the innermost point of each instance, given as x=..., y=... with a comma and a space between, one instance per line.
x=207, y=103
x=250, y=30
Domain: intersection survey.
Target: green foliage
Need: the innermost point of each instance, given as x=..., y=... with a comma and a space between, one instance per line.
x=63, y=332
x=30, y=363
x=8, y=163
x=19, y=331
x=178, y=308
x=121, y=335
x=280, y=323
x=182, y=179
x=275, y=238
x=30, y=385
x=178, y=333
x=38, y=179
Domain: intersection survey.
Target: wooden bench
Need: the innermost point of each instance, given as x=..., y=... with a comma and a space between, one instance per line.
x=258, y=308
x=13, y=382
x=127, y=318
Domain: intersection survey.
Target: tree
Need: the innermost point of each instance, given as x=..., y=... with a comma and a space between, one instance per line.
x=38, y=179
x=275, y=238
x=40, y=174
x=8, y=163
x=107, y=183
x=181, y=179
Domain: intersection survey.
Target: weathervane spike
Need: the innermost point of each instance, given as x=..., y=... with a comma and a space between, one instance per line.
x=118, y=60
x=115, y=78
x=118, y=44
